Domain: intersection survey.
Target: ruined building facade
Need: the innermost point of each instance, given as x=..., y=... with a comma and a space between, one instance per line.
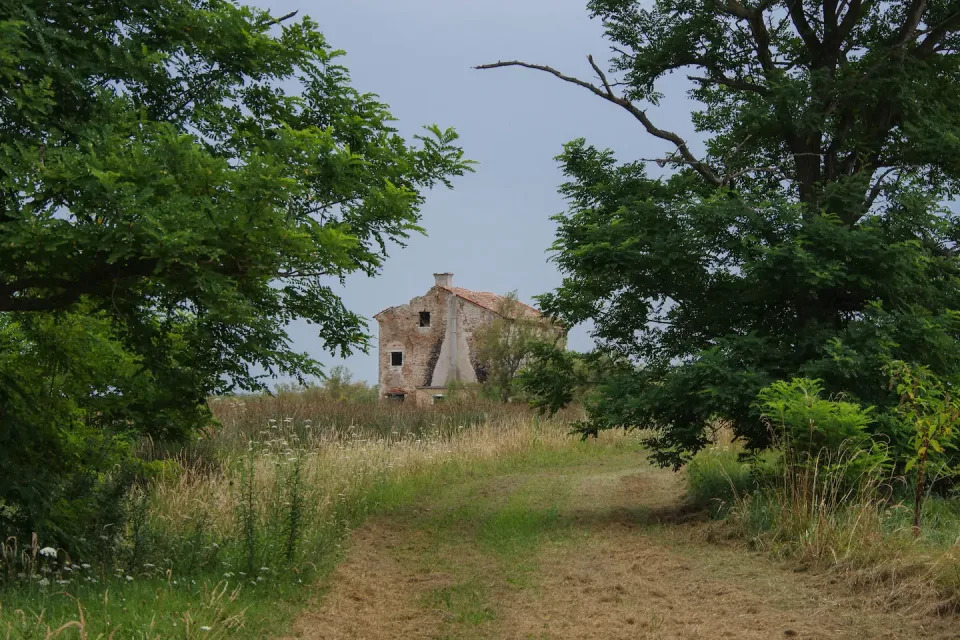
x=429, y=342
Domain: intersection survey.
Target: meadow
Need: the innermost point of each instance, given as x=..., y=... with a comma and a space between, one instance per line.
x=280, y=508
x=224, y=539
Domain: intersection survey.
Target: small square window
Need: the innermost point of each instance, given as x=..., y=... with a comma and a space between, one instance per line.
x=396, y=358
x=424, y=318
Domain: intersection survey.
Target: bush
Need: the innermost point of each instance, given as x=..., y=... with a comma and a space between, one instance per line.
x=67, y=447
x=828, y=434
x=809, y=424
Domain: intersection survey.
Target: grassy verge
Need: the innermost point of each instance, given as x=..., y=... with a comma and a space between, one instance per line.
x=813, y=518
x=221, y=544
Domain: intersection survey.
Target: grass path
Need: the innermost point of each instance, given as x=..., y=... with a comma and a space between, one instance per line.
x=585, y=546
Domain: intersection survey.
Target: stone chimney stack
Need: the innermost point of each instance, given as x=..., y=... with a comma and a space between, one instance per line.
x=443, y=279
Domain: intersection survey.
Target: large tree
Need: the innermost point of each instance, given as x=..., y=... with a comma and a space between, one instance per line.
x=179, y=179
x=809, y=237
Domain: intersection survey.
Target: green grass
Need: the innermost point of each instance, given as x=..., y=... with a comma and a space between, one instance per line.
x=486, y=529
x=159, y=605
x=465, y=603
x=716, y=478
x=154, y=608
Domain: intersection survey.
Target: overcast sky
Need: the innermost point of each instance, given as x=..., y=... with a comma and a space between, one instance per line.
x=493, y=229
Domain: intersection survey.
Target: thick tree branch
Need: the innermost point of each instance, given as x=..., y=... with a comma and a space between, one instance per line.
x=877, y=188
x=758, y=28
x=835, y=37
x=803, y=27
x=733, y=83
x=63, y=291
x=908, y=29
x=937, y=33
x=688, y=158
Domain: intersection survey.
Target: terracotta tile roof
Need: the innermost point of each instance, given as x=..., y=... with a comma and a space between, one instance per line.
x=489, y=301
x=484, y=299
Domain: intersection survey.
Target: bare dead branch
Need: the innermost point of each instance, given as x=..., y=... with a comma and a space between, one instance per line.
x=274, y=21
x=601, y=75
x=698, y=165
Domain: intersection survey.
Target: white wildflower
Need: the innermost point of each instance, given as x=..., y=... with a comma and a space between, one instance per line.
x=129, y=578
x=205, y=628
x=49, y=552
x=84, y=565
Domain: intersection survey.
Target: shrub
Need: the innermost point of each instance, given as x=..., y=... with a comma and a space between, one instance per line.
x=809, y=424
x=828, y=435
x=927, y=405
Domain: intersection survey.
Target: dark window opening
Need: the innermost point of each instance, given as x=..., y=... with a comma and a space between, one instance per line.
x=424, y=318
x=396, y=358
x=396, y=397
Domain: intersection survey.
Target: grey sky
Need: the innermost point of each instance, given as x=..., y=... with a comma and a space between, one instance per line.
x=493, y=229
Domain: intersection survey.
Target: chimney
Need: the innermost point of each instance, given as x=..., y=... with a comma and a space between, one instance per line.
x=443, y=279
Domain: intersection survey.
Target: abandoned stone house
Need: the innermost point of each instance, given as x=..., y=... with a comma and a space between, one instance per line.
x=429, y=342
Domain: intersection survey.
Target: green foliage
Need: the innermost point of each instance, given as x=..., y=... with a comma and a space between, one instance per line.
x=65, y=453
x=811, y=238
x=339, y=385
x=821, y=437
x=178, y=182
x=505, y=345
x=552, y=378
x=810, y=425
x=934, y=413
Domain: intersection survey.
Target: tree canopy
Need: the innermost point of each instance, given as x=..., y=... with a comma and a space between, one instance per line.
x=810, y=237
x=178, y=181
x=505, y=344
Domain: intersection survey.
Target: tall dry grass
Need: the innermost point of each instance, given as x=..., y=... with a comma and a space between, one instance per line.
x=257, y=505
x=818, y=515
x=296, y=474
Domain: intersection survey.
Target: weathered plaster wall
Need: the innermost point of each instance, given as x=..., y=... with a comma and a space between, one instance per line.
x=432, y=356
x=400, y=330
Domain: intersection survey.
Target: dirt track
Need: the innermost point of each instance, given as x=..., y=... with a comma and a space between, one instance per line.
x=595, y=550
